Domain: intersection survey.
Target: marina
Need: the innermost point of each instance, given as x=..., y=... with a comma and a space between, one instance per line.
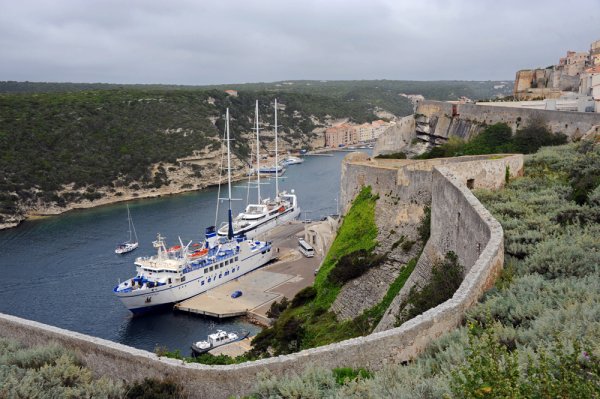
x=77, y=263
x=285, y=276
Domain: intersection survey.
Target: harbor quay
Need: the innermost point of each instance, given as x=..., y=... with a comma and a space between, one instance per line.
x=285, y=276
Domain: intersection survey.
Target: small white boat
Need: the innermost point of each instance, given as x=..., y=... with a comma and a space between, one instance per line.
x=215, y=340
x=291, y=160
x=272, y=170
x=130, y=244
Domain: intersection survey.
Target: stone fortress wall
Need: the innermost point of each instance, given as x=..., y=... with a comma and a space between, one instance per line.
x=436, y=121
x=459, y=223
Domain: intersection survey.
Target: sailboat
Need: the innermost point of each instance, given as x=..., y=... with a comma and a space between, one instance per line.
x=266, y=213
x=182, y=271
x=130, y=244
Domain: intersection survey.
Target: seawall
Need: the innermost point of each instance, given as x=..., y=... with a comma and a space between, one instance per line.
x=441, y=182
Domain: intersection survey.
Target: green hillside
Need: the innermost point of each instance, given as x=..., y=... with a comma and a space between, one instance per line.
x=93, y=138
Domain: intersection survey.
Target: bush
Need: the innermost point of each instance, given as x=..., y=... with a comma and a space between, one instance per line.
x=49, y=372
x=303, y=296
x=446, y=277
x=493, y=370
x=277, y=307
x=395, y=155
x=343, y=375
x=535, y=136
x=151, y=388
x=353, y=265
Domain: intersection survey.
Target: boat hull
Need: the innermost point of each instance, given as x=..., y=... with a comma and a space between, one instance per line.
x=257, y=229
x=196, y=282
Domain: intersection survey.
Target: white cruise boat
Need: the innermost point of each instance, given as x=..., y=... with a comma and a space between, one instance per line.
x=265, y=214
x=180, y=272
x=260, y=218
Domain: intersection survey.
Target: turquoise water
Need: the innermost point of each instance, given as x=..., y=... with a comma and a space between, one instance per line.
x=61, y=270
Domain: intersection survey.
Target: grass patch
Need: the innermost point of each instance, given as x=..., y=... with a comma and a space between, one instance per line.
x=308, y=323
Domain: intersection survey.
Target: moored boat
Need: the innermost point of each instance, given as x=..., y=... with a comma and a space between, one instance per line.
x=265, y=214
x=291, y=160
x=179, y=272
x=130, y=244
x=217, y=339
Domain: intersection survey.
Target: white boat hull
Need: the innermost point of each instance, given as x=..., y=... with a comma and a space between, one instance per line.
x=196, y=282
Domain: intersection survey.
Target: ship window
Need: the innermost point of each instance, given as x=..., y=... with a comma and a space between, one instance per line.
x=211, y=268
x=227, y=273
x=205, y=271
x=220, y=275
x=183, y=279
x=169, y=281
x=209, y=279
x=236, y=258
x=238, y=268
x=202, y=283
x=226, y=262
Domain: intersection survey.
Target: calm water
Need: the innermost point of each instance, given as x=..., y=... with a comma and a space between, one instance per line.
x=61, y=270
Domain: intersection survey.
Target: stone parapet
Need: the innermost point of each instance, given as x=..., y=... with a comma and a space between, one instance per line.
x=442, y=182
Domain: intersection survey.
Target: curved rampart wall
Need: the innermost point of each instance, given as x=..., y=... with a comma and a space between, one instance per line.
x=373, y=352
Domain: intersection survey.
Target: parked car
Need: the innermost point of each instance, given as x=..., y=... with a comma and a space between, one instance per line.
x=236, y=294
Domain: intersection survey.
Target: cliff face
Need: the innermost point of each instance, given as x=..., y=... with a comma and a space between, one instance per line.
x=435, y=122
x=405, y=188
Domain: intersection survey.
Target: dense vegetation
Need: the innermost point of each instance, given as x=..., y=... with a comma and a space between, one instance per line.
x=379, y=92
x=446, y=277
x=107, y=138
x=49, y=372
x=308, y=322
x=498, y=139
x=537, y=333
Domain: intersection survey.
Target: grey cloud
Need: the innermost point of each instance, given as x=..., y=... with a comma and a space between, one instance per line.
x=202, y=42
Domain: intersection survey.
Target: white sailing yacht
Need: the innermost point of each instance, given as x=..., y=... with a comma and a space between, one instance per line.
x=182, y=271
x=130, y=244
x=266, y=213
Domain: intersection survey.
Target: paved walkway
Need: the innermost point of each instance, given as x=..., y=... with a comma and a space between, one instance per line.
x=284, y=277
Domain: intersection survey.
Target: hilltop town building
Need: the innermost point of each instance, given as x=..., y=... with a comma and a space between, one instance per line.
x=595, y=53
x=567, y=86
x=590, y=85
x=348, y=134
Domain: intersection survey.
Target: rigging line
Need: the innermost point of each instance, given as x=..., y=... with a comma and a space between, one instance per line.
x=220, y=177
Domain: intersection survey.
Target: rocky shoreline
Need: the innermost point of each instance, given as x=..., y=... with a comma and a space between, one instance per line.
x=180, y=181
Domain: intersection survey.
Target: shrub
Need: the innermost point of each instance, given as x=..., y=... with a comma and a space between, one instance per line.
x=353, y=265
x=343, y=375
x=534, y=136
x=407, y=245
x=395, y=155
x=49, y=372
x=492, y=370
x=446, y=277
x=277, y=307
x=303, y=296
x=151, y=388
x=424, y=228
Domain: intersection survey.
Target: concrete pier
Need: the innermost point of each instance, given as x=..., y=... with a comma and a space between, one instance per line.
x=284, y=277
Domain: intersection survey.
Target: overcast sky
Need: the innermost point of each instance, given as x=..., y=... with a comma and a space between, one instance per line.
x=221, y=41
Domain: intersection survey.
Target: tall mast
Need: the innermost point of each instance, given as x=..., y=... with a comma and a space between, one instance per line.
x=276, y=156
x=257, y=154
x=230, y=218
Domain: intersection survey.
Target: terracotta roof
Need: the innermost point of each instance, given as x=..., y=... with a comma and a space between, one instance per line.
x=595, y=69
